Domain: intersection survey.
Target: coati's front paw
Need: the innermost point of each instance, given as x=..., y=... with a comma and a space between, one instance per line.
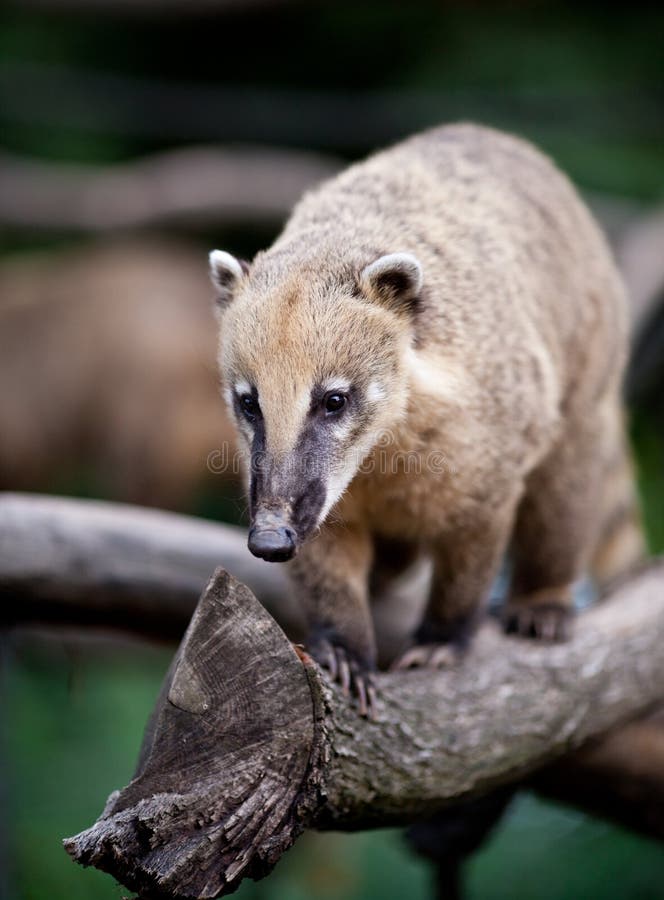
x=550, y=622
x=355, y=679
x=427, y=656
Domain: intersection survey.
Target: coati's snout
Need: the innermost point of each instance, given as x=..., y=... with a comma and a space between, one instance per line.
x=271, y=538
x=281, y=523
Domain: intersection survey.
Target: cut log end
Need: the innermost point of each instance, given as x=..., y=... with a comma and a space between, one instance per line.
x=203, y=811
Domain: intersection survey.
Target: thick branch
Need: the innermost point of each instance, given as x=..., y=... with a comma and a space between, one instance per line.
x=84, y=562
x=249, y=743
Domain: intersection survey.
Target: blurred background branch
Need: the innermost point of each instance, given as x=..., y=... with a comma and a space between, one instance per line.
x=193, y=186
x=107, y=565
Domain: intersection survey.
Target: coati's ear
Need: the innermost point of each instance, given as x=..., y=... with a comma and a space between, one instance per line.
x=395, y=280
x=225, y=272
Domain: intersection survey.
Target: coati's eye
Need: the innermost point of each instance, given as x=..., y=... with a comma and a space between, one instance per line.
x=249, y=406
x=334, y=402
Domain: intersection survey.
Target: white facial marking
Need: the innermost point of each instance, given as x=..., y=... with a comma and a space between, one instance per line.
x=343, y=474
x=335, y=488
x=341, y=429
x=428, y=377
x=336, y=385
x=242, y=387
x=375, y=392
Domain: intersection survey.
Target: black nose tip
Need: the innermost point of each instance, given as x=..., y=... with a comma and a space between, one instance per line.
x=272, y=544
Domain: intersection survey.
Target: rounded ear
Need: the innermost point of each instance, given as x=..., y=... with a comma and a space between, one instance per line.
x=395, y=280
x=225, y=272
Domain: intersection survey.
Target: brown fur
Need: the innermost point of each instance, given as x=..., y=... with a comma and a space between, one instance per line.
x=507, y=370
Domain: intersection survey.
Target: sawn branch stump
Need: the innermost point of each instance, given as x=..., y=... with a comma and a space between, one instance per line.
x=249, y=743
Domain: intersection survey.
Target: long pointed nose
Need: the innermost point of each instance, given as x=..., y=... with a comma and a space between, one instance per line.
x=272, y=544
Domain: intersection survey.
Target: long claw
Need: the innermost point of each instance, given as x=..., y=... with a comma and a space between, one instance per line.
x=348, y=672
x=344, y=676
x=443, y=656
x=332, y=663
x=372, y=697
x=545, y=622
x=429, y=656
x=409, y=659
x=361, y=695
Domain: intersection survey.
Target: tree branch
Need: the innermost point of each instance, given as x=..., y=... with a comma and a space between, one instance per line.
x=199, y=185
x=85, y=562
x=249, y=743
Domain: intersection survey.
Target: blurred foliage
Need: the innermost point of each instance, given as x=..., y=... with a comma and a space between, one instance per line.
x=648, y=441
x=587, y=84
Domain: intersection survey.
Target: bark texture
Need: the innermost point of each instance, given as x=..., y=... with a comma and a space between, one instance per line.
x=249, y=743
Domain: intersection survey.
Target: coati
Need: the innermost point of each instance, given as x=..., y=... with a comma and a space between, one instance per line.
x=428, y=360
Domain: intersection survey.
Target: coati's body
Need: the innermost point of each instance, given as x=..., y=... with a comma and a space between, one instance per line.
x=481, y=386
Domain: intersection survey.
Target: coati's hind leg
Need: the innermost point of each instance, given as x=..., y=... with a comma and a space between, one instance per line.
x=555, y=531
x=465, y=563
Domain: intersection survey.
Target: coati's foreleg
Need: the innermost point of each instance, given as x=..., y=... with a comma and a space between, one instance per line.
x=331, y=576
x=466, y=562
x=554, y=534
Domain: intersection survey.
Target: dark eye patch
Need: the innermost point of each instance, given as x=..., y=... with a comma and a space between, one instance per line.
x=247, y=405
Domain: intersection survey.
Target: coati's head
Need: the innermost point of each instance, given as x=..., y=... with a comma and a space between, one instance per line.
x=313, y=367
